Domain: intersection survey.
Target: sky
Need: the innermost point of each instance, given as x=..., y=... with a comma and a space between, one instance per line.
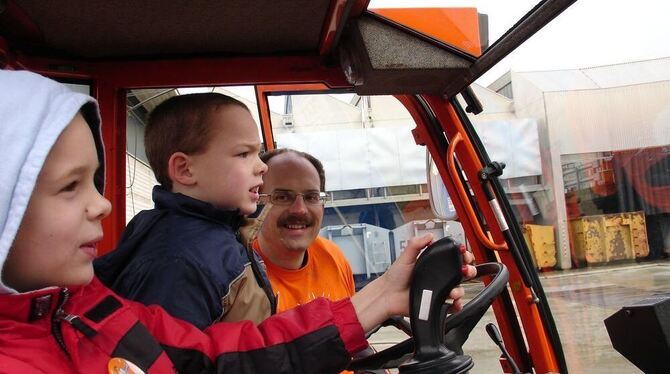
x=589, y=33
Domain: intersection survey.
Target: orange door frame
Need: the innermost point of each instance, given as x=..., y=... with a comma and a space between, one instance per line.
x=462, y=150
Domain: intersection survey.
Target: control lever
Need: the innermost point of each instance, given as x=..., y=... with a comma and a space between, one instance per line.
x=436, y=273
x=494, y=334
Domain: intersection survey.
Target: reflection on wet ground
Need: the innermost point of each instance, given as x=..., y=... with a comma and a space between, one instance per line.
x=580, y=300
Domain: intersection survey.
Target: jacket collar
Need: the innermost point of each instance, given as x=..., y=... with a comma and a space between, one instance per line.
x=32, y=306
x=40, y=305
x=165, y=199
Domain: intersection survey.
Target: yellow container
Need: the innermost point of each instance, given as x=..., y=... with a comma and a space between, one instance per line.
x=609, y=237
x=542, y=244
x=639, y=237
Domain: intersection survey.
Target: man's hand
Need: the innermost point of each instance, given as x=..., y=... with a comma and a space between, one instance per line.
x=403, y=274
x=469, y=272
x=388, y=295
x=251, y=226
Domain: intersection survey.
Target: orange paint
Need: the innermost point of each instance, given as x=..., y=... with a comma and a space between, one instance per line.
x=458, y=27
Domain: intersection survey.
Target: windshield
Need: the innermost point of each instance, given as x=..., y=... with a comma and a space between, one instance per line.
x=580, y=115
x=375, y=174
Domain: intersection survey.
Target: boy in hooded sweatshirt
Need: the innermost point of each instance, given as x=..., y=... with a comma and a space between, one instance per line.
x=56, y=317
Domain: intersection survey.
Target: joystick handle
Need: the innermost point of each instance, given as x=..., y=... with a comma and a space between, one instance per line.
x=436, y=273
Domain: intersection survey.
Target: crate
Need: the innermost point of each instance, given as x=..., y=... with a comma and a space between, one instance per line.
x=541, y=242
x=439, y=228
x=609, y=237
x=366, y=247
x=639, y=237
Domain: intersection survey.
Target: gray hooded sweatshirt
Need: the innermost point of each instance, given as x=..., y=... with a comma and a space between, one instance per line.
x=33, y=113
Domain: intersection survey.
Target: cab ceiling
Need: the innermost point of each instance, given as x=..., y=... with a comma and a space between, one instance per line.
x=96, y=29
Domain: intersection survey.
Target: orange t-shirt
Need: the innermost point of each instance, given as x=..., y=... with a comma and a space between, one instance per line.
x=326, y=274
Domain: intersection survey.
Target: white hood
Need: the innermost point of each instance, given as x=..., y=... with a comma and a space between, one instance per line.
x=33, y=112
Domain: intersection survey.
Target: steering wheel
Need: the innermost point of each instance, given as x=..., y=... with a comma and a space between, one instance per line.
x=436, y=345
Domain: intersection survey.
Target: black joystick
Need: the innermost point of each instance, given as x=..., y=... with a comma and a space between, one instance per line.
x=437, y=272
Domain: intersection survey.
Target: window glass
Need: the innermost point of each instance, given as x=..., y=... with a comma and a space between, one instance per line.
x=585, y=132
x=375, y=173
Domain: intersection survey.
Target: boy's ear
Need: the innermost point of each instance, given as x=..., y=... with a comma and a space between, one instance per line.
x=179, y=169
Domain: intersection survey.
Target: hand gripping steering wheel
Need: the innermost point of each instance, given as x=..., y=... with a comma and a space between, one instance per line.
x=436, y=345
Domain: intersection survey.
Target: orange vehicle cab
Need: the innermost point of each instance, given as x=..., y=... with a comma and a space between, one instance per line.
x=424, y=57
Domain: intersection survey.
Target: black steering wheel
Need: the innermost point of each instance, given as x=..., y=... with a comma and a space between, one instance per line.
x=436, y=345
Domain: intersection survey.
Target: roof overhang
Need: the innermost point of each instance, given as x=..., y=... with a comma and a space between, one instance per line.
x=152, y=43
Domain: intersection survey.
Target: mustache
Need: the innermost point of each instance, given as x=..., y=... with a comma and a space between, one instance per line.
x=295, y=219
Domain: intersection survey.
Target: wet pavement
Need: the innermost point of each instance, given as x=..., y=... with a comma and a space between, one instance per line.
x=580, y=300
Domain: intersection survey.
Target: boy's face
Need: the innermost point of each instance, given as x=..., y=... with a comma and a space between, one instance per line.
x=56, y=242
x=229, y=173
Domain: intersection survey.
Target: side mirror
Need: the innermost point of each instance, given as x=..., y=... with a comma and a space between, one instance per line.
x=440, y=202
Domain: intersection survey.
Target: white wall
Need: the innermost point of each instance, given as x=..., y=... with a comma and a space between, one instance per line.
x=139, y=184
x=610, y=119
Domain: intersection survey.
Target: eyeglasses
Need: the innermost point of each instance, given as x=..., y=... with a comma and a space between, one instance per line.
x=287, y=197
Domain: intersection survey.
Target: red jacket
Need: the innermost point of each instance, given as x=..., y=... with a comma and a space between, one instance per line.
x=79, y=330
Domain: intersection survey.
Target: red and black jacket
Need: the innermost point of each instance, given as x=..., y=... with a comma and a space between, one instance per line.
x=79, y=330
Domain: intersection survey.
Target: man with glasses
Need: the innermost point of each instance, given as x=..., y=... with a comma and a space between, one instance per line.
x=301, y=265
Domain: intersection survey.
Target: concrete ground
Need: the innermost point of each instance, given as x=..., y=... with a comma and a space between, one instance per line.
x=580, y=300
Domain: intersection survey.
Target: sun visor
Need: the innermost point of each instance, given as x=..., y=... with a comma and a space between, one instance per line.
x=381, y=58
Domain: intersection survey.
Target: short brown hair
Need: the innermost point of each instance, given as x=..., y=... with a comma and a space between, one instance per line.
x=266, y=156
x=181, y=124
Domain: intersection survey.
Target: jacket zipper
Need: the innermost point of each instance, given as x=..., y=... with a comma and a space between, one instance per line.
x=57, y=317
x=265, y=286
x=260, y=280
x=72, y=319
